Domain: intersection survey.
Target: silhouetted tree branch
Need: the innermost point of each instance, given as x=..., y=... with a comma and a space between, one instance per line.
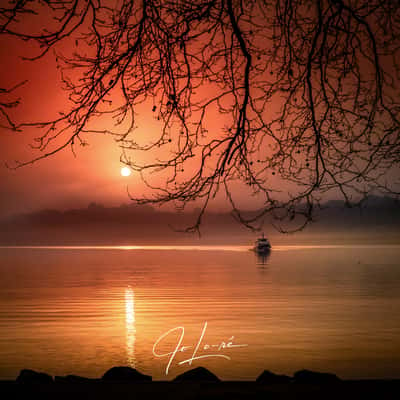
x=307, y=93
x=5, y=105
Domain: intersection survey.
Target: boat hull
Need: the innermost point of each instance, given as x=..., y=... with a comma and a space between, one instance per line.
x=262, y=250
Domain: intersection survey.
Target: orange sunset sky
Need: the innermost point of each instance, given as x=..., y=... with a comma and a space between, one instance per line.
x=63, y=180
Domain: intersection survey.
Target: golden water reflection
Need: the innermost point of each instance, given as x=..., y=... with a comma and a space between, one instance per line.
x=130, y=324
x=81, y=312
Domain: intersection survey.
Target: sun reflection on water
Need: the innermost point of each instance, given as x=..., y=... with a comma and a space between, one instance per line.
x=130, y=325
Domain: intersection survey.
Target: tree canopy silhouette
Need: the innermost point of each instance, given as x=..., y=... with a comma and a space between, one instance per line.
x=294, y=98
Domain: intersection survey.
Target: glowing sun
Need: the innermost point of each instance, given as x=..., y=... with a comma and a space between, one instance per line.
x=125, y=171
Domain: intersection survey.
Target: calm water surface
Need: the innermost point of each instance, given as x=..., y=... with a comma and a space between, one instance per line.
x=82, y=310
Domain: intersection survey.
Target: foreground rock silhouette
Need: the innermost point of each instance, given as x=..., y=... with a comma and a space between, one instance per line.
x=199, y=374
x=72, y=379
x=317, y=378
x=196, y=384
x=125, y=374
x=268, y=377
x=30, y=376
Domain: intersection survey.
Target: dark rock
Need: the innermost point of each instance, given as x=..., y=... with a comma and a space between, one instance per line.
x=199, y=374
x=72, y=379
x=268, y=377
x=125, y=374
x=29, y=376
x=306, y=376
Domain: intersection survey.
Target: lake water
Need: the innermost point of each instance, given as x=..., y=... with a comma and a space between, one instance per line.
x=82, y=310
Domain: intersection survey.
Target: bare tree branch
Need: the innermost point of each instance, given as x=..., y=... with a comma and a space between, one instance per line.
x=307, y=93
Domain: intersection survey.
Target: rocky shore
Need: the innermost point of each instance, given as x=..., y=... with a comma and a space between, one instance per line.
x=198, y=383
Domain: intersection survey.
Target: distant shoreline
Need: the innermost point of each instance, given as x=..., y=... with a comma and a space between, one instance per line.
x=142, y=225
x=240, y=248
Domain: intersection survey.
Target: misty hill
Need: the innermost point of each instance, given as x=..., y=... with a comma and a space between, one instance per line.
x=130, y=224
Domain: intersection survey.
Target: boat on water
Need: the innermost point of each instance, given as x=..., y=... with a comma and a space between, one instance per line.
x=262, y=245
